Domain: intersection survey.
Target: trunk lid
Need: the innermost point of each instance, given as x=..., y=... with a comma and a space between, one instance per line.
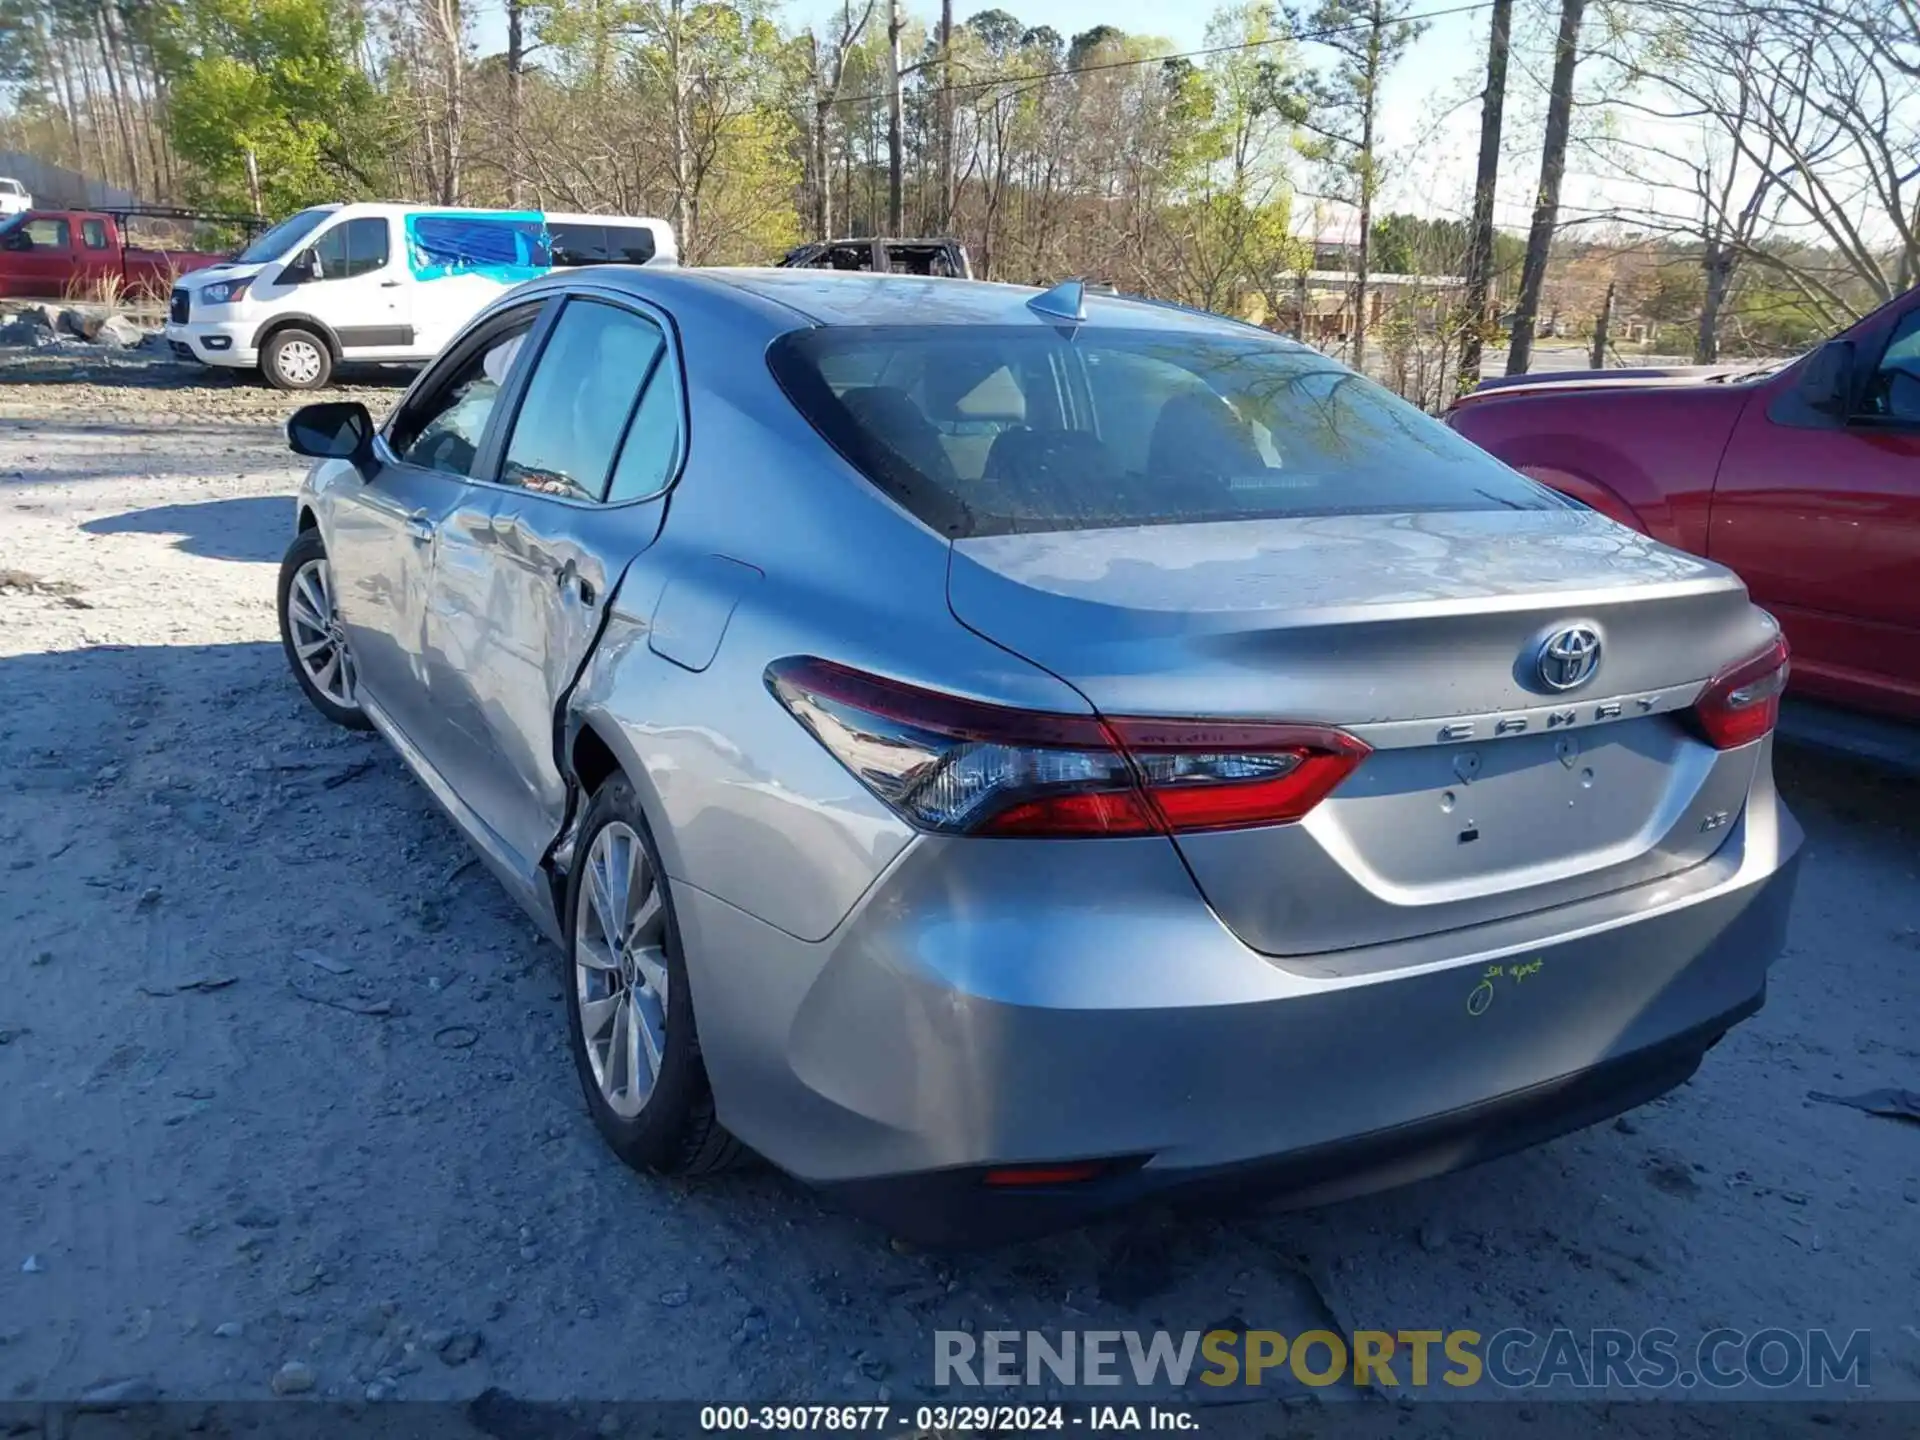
x=1488, y=794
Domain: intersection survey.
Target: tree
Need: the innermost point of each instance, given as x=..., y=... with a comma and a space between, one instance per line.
x=826, y=77
x=1486, y=184
x=1342, y=112
x=271, y=79
x=1546, y=206
x=1809, y=153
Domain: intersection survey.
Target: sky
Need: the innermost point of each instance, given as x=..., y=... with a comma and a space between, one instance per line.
x=1430, y=108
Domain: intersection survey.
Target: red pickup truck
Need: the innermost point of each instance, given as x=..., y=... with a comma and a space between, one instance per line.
x=1803, y=478
x=55, y=253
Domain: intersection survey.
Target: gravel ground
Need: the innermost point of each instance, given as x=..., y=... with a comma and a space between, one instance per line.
x=287, y=1081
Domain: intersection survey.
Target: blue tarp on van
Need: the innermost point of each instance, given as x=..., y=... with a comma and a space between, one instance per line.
x=508, y=248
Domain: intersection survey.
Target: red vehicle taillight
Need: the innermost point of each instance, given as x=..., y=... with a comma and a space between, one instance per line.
x=964, y=767
x=1742, y=703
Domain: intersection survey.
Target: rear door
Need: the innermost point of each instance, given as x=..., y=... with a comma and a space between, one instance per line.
x=579, y=490
x=1821, y=517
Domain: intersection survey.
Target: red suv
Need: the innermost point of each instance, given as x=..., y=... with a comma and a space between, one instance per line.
x=1804, y=478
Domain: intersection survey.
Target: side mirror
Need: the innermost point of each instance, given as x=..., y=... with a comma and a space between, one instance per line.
x=1826, y=380
x=332, y=430
x=299, y=270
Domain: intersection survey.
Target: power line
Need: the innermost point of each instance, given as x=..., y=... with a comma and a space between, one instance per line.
x=1308, y=36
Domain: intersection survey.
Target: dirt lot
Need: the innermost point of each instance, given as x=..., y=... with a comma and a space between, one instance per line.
x=223, y=1150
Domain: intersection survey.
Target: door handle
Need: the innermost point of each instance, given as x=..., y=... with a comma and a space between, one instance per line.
x=390, y=284
x=419, y=527
x=568, y=578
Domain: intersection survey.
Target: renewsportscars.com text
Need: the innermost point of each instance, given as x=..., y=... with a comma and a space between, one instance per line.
x=1512, y=1359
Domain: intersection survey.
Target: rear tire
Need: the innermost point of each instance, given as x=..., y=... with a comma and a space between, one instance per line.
x=296, y=359
x=618, y=884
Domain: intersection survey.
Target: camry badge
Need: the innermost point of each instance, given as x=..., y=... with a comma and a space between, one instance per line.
x=1568, y=657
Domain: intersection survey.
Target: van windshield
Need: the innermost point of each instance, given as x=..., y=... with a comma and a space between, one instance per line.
x=282, y=238
x=986, y=430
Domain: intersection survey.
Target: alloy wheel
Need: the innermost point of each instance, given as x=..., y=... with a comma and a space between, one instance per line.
x=620, y=968
x=319, y=639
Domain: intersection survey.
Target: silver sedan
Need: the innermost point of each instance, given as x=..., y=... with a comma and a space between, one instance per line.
x=998, y=754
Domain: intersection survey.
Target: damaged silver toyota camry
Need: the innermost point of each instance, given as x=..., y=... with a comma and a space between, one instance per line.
x=1000, y=754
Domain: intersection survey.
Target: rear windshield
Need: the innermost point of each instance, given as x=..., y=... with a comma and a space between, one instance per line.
x=995, y=430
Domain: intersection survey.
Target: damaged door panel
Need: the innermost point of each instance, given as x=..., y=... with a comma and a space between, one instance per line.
x=580, y=492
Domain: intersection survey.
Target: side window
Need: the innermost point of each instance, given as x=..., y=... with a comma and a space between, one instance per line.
x=443, y=430
x=652, y=446
x=93, y=234
x=575, y=244
x=630, y=244
x=583, y=389
x=358, y=247
x=1894, y=390
x=49, y=234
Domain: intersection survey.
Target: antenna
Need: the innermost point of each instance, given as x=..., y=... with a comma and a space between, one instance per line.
x=1065, y=301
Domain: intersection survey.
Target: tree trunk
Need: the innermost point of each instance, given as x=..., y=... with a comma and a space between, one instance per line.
x=1597, y=360
x=1553, y=166
x=823, y=173
x=1363, y=257
x=455, y=77
x=949, y=188
x=516, y=101
x=682, y=133
x=896, y=22
x=1719, y=267
x=1486, y=184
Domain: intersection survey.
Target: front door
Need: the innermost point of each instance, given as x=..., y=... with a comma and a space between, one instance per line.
x=580, y=485
x=385, y=533
x=1821, y=517
x=40, y=256
x=359, y=288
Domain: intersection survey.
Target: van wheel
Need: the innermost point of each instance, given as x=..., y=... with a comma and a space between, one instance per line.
x=296, y=359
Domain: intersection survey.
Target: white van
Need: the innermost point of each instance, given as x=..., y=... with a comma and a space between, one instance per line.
x=15, y=198
x=382, y=284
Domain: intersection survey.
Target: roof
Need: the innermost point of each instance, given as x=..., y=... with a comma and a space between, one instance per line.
x=860, y=297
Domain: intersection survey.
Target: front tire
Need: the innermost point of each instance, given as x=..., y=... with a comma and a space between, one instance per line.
x=296, y=359
x=312, y=637
x=629, y=1009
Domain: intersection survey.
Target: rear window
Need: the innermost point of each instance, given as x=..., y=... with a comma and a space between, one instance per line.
x=995, y=430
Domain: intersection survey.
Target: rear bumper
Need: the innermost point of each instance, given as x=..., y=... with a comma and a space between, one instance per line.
x=956, y=1207
x=987, y=1005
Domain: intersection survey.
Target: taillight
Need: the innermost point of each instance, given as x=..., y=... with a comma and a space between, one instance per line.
x=958, y=766
x=1741, y=703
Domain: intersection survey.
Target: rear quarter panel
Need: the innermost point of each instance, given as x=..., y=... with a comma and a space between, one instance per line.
x=1646, y=458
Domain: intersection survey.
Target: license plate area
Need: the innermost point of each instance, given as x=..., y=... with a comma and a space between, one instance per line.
x=1516, y=810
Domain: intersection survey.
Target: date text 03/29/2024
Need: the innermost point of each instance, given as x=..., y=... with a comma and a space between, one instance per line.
x=882, y=1418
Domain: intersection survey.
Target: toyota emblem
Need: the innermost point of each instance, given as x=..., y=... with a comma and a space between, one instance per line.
x=1568, y=657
